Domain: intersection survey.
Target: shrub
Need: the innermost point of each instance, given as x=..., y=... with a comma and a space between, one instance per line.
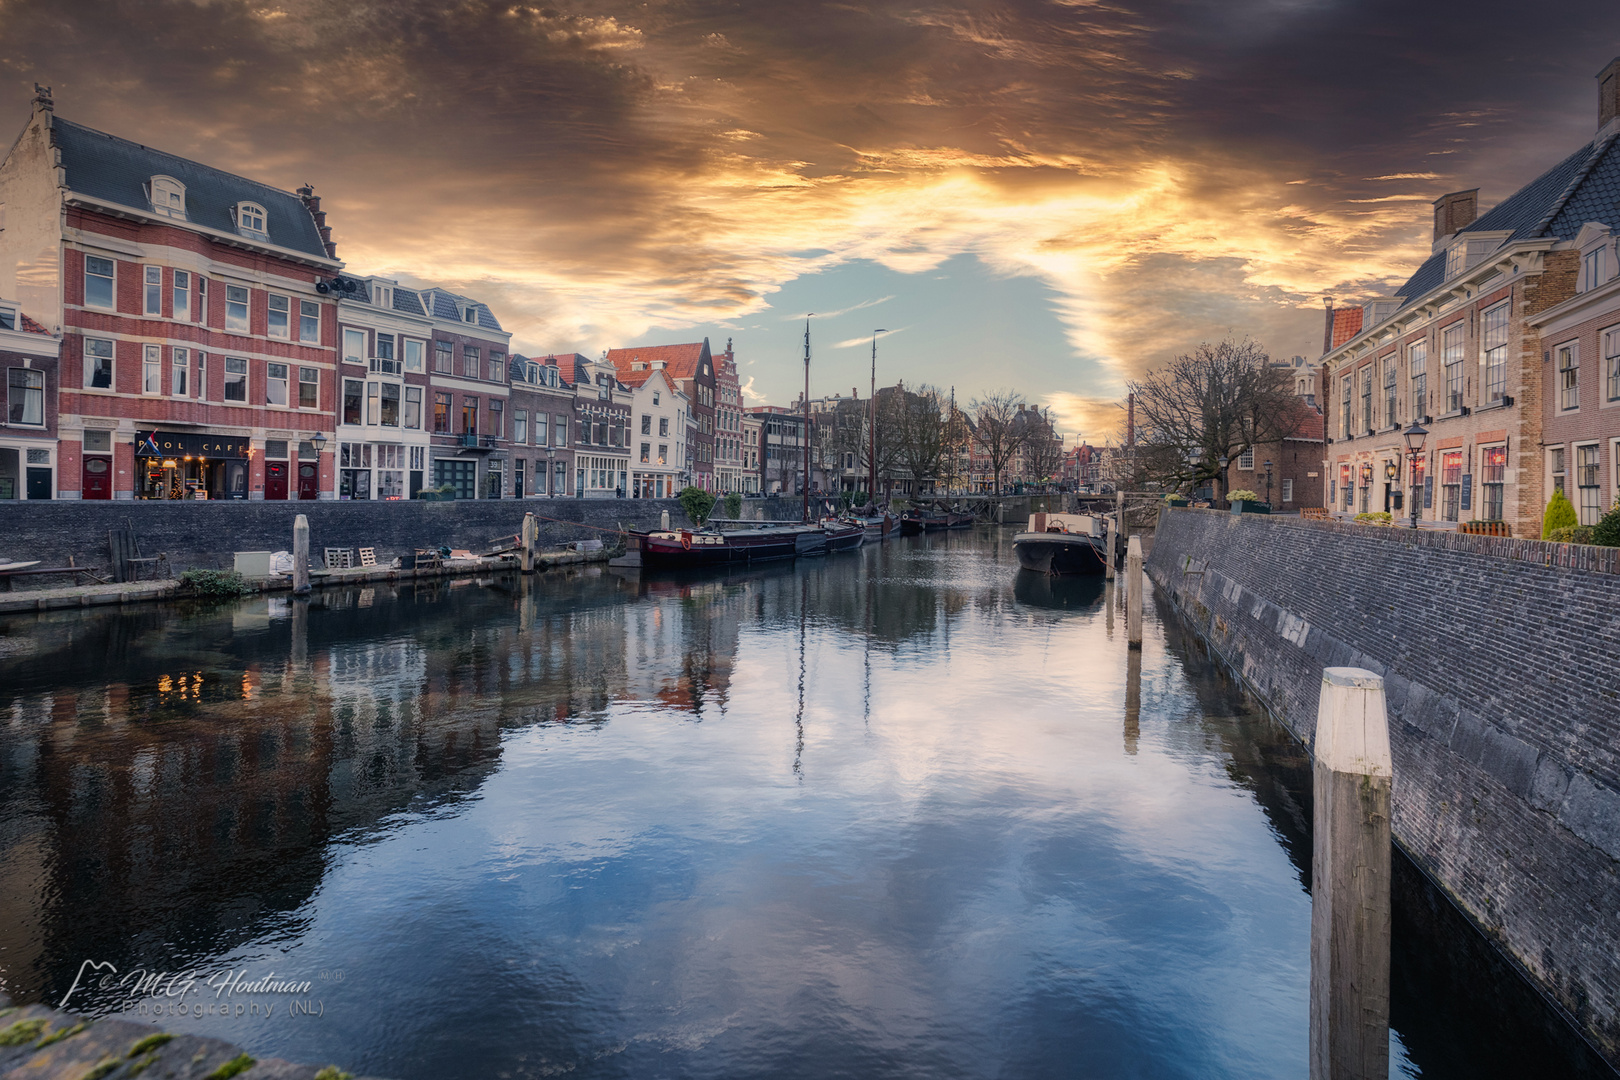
x=733, y=505
x=1374, y=517
x=1558, y=515
x=1607, y=530
x=216, y=584
x=1242, y=495
x=697, y=503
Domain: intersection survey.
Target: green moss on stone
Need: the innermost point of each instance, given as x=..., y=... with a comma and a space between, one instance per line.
x=101, y=1068
x=58, y=1036
x=241, y=1063
x=151, y=1042
x=22, y=1032
x=332, y=1072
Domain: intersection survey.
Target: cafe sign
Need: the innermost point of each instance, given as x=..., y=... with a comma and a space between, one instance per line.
x=194, y=444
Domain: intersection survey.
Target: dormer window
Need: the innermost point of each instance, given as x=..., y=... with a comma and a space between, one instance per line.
x=470, y=314
x=168, y=197
x=382, y=296
x=1454, y=260
x=250, y=220
x=1596, y=245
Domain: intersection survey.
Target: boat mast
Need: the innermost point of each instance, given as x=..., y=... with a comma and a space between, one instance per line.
x=806, y=511
x=871, y=430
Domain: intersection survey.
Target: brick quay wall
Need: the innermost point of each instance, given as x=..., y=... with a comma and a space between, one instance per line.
x=206, y=534
x=1504, y=702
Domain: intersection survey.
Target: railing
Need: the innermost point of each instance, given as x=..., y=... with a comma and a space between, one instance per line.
x=385, y=365
x=1486, y=528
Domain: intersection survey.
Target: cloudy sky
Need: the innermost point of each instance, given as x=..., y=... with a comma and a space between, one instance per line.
x=1049, y=194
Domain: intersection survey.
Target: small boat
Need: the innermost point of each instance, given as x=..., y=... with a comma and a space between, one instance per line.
x=685, y=547
x=842, y=535
x=1063, y=544
x=913, y=522
x=877, y=526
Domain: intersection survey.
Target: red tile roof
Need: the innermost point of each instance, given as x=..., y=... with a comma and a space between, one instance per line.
x=680, y=361
x=1346, y=325
x=1310, y=425
x=30, y=326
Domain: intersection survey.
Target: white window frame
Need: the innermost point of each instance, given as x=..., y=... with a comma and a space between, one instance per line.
x=89, y=366
x=238, y=323
x=354, y=345
x=309, y=318
x=236, y=374
x=152, y=291
x=1610, y=338
x=252, y=220
x=151, y=370
x=415, y=354
x=1568, y=375
x=110, y=278
x=181, y=290
x=1288, y=489
x=272, y=379
x=304, y=379
x=179, y=372
x=1588, y=515
x=1494, y=323
x=278, y=320
x=29, y=392
x=1246, y=460
x=1417, y=377
x=167, y=196
x=413, y=396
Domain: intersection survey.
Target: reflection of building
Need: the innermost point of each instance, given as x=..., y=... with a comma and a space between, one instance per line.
x=187, y=298
x=28, y=427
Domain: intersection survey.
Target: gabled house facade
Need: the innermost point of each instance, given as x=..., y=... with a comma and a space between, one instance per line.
x=384, y=391
x=729, y=470
x=469, y=372
x=196, y=342
x=542, y=422
x=658, y=435
x=691, y=368
x=1459, y=349
x=602, y=407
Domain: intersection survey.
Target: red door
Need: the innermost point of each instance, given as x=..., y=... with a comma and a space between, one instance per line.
x=97, y=478
x=275, y=479
x=309, y=480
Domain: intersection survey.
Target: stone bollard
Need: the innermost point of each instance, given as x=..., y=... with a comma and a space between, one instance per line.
x=531, y=533
x=1133, y=592
x=300, y=555
x=663, y=520
x=1108, y=549
x=1350, y=906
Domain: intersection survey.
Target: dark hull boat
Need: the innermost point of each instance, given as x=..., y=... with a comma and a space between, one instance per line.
x=843, y=535
x=878, y=526
x=914, y=522
x=1063, y=544
x=681, y=548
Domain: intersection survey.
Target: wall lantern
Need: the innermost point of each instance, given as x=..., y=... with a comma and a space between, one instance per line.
x=1391, y=470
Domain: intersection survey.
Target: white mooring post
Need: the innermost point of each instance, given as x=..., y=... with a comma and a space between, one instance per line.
x=663, y=521
x=1133, y=592
x=300, y=555
x=531, y=532
x=1350, y=908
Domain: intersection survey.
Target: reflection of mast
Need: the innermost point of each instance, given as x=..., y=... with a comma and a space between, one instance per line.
x=798, y=717
x=866, y=653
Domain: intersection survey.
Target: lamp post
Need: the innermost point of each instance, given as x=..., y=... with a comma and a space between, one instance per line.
x=551, y=473
x=1224, y=484
x=319, y=442
x=1414, y=437
x=1391, y=470
x=1268, y=484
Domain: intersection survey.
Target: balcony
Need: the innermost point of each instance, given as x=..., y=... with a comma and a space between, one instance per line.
x=386, y=365
x=468, y=440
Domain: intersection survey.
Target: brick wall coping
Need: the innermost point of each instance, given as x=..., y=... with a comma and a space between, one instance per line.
x=1599, y=560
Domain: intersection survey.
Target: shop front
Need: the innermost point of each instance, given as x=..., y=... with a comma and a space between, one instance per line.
x=26, y=470
x=191, y=465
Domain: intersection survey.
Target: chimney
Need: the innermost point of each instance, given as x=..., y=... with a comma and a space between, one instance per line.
x=1608, y=93
x=1454, y=212
x=312, y=203
x=1327, y=331
x=855, y=392
x=42, y=99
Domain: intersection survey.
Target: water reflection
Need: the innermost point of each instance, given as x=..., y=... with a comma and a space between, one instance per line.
x=868, y=813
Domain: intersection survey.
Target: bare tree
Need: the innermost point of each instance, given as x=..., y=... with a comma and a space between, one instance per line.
x=1214, y=404
x=854, y=435
x=997, y=430
x=1043, y=450
x=921, y=434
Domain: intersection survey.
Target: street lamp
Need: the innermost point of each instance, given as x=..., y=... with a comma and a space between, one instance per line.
x=1414, y=437
x=1268, y=483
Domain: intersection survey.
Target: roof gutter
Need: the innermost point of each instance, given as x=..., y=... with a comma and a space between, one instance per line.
x=90, y=202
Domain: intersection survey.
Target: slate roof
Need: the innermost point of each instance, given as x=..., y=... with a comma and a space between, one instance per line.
x=406, y=301
x=106, y=167
x=442, y=305
x=680, y=361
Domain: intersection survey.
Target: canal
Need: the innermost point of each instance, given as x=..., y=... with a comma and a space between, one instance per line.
x=900, y=812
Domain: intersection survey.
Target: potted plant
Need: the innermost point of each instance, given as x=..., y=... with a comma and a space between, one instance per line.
x=1245, y=501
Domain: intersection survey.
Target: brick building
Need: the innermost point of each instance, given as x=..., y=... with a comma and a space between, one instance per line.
x=729, y=470
x=1459, y=348
x=28, y=360
x=1294, y=480
x=542, y=414
x=602, y=408
x=691, y=368
x=196, y=344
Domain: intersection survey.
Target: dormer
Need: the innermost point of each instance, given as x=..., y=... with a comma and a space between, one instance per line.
x=252, y=221
x=8, y=317
x=469, y=312
x=168, y=196
x=382, y=294
x=1595, y=242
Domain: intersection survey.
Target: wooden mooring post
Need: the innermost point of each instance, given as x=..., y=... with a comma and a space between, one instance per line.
x=300, y=555
x=531, y=533
x=1350, y=906
x=1133, y=592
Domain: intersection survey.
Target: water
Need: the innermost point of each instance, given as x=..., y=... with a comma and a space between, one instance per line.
x=901, y=812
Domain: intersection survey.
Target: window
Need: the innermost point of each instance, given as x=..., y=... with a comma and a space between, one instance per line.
x=1366, y=399
x=1454, y=260
x=1390, y=372
x=309, y=322
x=1569, y=376
x=371, y=403
x=385, y=346
x=1555, y=467
x=1611, y=360
x=236, y=309
x=663, y=427
x=235, y=379
x=469, y=416
x=250, y=220
x=601, y=433
x=1496, y=337
x=646, y=452
x=98, y=364
x=182, y=295
x=280, y=325
x=382, y=296
x=1288, y=489
x=1416, y=366
x=1346, y=489
x=646, y=424
x=413, y=355
x=98, y=282
x=520, y=426
x=441, y=357
x=441, y=413
x=497, y=416
x=1246, y=459
x=275, y=384
x=354, y=346
x=470, y=314
x=655, y=397
x=1592, y=269
x=153, y=291
x=309, y=388
x=469, y=361
x=663, y=453
x=390, y=404
x=1344, y=407
x=559, y=430
x=152, y=369
x=179, y=368
x=413, y=408
x=1451, y=479
x=1493, y=470
x=168, y=197
x=202, y=376
x=540, y=429
x=1586, y=479
x=25, y=396
x=1451, y=358
x=8, y=318
x=353, y=394
x=497, y=366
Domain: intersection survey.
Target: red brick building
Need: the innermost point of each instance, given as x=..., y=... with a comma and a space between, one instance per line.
x=198, y=341
x=692, y=369
x=28, y=365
